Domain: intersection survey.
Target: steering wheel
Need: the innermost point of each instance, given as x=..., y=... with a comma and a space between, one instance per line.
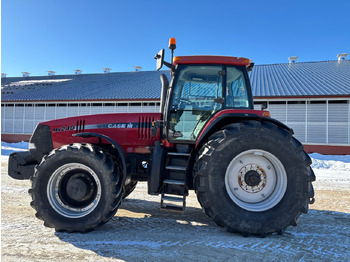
x=185, y=100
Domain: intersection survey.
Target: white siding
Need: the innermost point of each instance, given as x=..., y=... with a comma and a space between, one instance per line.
x=28, y=119
x=84, y=109
x=122, y=108
x=148, y=107
x=73, y=110
x=50, y=112
x=135, y=108
x=61, y=111
x=8, y=123
x=317, y=122
x=96, y=108
x=109, y=108
x=338, y=122
x=314, y=121
x=296, y=119
x=22, y=118
x=278, y=110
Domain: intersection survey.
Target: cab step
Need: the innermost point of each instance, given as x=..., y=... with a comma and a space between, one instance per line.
x=172, y=209
x=174, y=189
x=172, y=199
x=174, y=182
x=178, y=154
x=178, y=168
x=173, y=203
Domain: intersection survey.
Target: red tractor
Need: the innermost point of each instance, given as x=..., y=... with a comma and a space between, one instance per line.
x=249, y=173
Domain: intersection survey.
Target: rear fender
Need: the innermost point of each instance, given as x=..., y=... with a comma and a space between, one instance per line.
x=121, y=152
x=226, y=119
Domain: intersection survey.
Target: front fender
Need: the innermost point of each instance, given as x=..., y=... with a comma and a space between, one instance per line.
x=121, y=152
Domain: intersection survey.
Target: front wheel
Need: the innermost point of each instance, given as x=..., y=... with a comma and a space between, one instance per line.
x=129, y=188
x=76, y=188
x=253, y=178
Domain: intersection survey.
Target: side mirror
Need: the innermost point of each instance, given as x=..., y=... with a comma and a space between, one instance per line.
x=264, y=106
x=160, y=59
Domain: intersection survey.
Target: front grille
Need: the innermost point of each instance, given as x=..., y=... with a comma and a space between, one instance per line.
x=41, y=142
x=145, y=125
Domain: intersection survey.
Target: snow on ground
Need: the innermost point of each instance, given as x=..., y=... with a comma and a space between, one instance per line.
x=141, y=232
x=333, y=162
x=8, y=148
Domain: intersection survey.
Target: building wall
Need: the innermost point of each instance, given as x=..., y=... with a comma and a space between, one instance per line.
x=321, y=122
x=22, y=118
x=314, y=121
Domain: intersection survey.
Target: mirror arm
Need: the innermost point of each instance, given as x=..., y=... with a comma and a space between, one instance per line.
x=169, y=65
x=250, y=67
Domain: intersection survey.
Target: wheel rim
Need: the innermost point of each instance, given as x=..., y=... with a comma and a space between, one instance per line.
x=256, y=180
x=74, y=190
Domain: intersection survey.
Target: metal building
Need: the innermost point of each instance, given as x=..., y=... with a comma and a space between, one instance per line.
x=311, y=97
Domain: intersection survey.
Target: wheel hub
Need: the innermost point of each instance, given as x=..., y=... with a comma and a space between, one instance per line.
x=77, y=187
x=252, y=178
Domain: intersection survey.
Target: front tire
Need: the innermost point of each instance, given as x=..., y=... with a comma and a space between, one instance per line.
x=129, y=188
x=253, y=178
x=76, y=188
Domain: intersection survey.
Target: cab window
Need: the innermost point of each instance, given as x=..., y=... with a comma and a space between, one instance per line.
x=199, y=92
x=236, y=89
x=194, y=100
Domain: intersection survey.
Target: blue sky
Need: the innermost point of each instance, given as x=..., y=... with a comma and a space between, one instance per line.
x=42, y=35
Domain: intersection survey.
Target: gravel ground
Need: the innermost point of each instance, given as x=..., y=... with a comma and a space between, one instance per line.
x=141, y=232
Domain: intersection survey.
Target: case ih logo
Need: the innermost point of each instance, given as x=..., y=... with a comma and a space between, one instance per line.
x=116, y=125
x=122, y=125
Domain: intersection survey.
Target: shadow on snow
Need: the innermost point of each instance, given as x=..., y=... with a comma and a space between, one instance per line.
x=143, y=232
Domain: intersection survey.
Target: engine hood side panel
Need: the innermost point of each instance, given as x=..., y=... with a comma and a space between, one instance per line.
x=132, y=131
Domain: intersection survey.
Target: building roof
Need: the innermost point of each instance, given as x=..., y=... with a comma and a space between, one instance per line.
x=327, y=78
x=112, y=86
x=307, y=79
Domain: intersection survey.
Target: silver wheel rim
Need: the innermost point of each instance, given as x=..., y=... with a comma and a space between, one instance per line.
x=66, y=197
x=256, y=180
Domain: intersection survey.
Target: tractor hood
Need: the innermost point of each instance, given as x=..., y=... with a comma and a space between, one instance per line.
x=132, y=131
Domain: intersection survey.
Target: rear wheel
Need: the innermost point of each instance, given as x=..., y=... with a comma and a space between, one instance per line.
x=253, y=178
x=76, y=188
x=256, y=180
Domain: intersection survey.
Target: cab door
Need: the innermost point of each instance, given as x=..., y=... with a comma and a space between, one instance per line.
x=197, y=94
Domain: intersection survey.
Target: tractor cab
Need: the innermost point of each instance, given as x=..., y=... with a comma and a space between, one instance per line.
x=200, y=87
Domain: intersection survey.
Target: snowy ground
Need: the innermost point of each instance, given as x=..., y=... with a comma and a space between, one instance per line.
x=141, y=232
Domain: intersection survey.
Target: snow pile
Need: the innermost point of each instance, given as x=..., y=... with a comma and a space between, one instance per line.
x=8, y=148
x=333, y=162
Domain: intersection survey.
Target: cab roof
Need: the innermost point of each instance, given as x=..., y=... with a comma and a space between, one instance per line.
x=211, y=59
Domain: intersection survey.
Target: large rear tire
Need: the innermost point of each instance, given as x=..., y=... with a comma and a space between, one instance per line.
x=253, y=178
x=76, y=188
